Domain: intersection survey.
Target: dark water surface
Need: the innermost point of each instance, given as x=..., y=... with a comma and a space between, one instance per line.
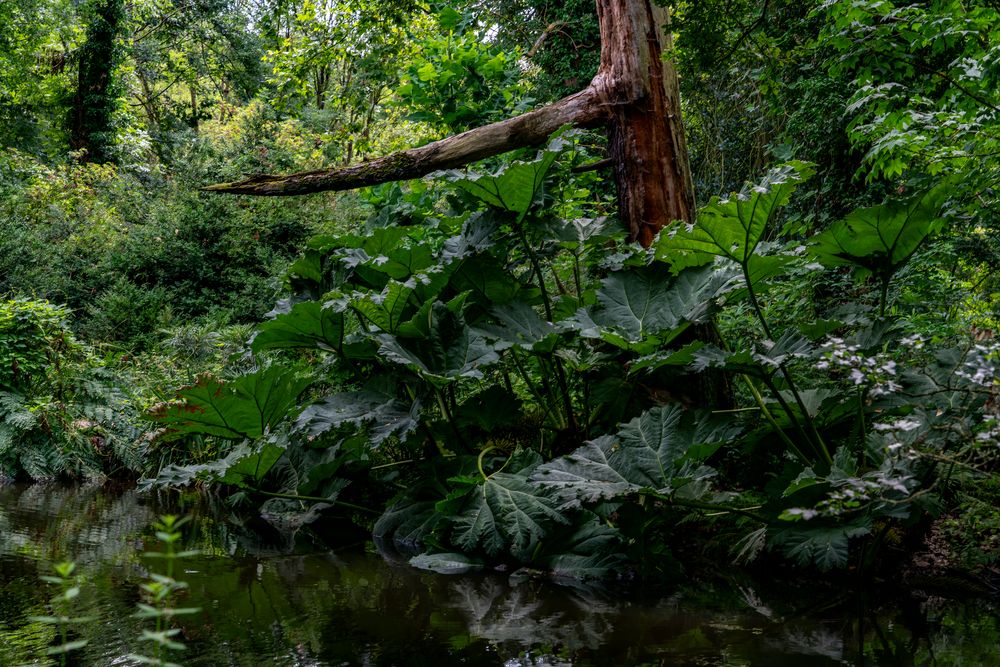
x=278, y=600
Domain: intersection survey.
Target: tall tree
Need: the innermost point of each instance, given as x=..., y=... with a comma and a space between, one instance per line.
x=91, y=127
x=36, y=85
x=635, y=94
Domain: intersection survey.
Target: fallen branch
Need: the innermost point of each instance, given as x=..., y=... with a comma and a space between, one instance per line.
x=582, y=109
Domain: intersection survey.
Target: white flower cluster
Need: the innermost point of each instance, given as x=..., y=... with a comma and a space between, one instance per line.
x=992, y=433
x=979, y=367
x=853, y=492
x=898, y=452
x=877, y=372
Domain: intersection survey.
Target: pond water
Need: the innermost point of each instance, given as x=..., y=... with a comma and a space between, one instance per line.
x=273, y=599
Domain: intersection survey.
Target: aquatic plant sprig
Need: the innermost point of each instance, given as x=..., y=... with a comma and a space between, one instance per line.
x=160, y=590
x=60, y=606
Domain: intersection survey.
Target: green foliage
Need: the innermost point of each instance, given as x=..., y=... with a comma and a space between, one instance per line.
x=91, y=117
x=461, y=80
x=503, y=513
x=481, y=353
x=61, y=606
x=60, y=415
x=160, y=592
x=250, y=407
x=132, y=257
x=881, y=239
x=734, y=227
x=971, y=532
x=309, y=324
x=644, y=309
x=32, y=337
x=35, y=83
x=660, y=451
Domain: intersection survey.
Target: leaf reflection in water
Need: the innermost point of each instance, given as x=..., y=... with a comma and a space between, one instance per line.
x=273, y=597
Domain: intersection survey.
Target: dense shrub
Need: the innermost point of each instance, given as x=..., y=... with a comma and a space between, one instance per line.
x=60, y=413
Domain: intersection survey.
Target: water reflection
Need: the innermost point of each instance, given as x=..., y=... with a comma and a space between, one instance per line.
x=270, y=598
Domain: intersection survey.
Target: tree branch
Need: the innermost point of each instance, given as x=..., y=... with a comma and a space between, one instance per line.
x=552, y=27
x=583, y=109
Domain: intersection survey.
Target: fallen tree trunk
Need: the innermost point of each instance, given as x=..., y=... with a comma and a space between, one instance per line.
x=634, y=93
x=582, y=109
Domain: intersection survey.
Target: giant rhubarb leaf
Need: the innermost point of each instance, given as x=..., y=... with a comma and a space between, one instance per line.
x=385, y=310
x=519, y=324
x=643, y=309
x=733, y=227
x=248, y=407
x=660, y=450
x=506, y=512
x=307, y=325
x=880, y=239
x=389, y=415
x=244, y=464
x=449, y=351
x=514, y=187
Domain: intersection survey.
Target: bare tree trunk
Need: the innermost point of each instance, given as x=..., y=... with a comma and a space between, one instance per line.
x=147, y=100
x=646, y=137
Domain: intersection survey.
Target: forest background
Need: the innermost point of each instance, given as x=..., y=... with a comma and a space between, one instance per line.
x=479, y=365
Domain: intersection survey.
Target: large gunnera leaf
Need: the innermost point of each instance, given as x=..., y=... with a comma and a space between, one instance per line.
x=514, y=187
x=248, y=407
x=244, y=464
x=882, y=238
x=519, y=324
x=824, y=545
x=659, y=450
x=487, y=281
x=307, y=325
x=446, y=563
x=405, y=525
x=587, y=549
x=450, y=349
x=388, y=415
x=476, y=236
x=642, y=309
x=386, y=309
x=732, y=227
x=506, y=512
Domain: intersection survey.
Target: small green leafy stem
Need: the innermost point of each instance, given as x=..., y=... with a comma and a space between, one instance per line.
x=160, y=591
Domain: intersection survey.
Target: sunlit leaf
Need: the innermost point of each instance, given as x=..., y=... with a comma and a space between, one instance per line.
x=248, y=407
x=307, y=325
x=881, y=239
x=514, y=187
x=732, y=227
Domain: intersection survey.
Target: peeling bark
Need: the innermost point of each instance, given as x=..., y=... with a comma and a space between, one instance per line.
x=646, y=138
